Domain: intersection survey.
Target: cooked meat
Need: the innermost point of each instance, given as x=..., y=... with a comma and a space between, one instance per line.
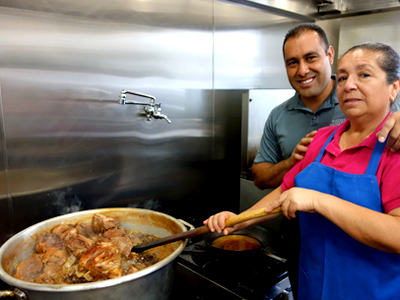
x=53, y=260
x=124, y=244
x=119, y=236
x=48, y=240
x=120, y=231
x=142, y=260
x=103, y=223
x=102, y=262
x=29, y=268
x=64, y=230
x=50, y=251
x=139, y=238
x=86, y=230
x=87, y=252
x=78, y=244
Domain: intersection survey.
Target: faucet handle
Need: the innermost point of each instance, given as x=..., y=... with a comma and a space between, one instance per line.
x=157, y=113
x=165, y=117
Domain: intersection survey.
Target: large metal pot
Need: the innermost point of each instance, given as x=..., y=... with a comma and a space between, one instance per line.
x=152, y=283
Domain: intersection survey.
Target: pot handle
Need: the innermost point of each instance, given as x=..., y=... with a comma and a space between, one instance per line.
x=188, y=225
x=16, y=293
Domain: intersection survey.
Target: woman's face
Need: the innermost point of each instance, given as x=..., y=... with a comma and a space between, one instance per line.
x=363, y=91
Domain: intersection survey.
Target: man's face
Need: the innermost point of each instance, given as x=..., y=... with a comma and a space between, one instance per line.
x=308, y=66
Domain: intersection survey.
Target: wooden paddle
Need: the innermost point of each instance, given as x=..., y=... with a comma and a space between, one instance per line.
x=203, y=229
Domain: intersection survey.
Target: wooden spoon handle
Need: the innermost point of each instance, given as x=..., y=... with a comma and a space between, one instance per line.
x=250, y=215
x=202, y=230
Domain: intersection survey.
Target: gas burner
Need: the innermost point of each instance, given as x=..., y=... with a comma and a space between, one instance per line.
x=252, y=275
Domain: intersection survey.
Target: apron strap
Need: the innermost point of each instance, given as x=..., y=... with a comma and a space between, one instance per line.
x=373, y=162
x=318, y=158
x=375, y=158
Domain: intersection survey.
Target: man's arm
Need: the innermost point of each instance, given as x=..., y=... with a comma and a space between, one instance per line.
x=269, y=175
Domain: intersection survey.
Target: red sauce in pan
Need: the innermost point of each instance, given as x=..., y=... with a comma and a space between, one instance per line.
x=235, y=242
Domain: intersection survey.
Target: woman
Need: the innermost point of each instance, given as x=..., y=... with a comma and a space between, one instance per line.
x=347, y=189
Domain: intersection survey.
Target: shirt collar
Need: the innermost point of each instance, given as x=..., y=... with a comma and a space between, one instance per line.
x=368, y=142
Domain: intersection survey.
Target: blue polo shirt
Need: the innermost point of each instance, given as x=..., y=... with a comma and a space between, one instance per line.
x=290, y=121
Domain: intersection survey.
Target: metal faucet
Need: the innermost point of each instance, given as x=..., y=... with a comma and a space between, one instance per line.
x=152, y=109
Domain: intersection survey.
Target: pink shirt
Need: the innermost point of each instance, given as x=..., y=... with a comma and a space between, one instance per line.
x=353, y=160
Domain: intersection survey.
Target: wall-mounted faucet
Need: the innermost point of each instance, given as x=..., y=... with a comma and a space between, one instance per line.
x=152, y=109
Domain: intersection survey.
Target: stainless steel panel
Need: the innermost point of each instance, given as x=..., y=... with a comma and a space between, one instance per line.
x=350, y=8
x=385, y=28
x=249, y=57
x=301, y=10
x=257, y=105
x=70, y=145
x=5, y=203
x=313, y=10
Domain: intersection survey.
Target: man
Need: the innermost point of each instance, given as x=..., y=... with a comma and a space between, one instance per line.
x=291, y=125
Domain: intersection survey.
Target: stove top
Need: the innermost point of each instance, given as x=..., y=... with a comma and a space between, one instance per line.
x=254, y=274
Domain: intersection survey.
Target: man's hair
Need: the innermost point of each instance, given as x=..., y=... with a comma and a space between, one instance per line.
x=304, y=27
x=389, y=59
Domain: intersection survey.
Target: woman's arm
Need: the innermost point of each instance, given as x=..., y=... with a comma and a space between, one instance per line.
x=217, y=221
x=372, y=228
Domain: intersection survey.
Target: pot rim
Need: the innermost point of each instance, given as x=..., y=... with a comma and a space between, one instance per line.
x=14, y=282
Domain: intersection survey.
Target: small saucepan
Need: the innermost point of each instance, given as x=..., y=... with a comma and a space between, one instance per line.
x=247, y=240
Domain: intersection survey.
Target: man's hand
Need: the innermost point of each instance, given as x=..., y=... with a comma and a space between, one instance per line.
x=301, y=148
x=269, y=175
x=392, y=126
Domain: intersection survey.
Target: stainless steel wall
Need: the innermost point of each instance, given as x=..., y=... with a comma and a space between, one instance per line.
x=66, y=143
x=385, y=28
x=381, y=27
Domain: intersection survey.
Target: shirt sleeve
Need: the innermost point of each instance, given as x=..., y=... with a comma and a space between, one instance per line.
x=389, y=180
x=269, y=147
x=395, y=106
x=288, y=179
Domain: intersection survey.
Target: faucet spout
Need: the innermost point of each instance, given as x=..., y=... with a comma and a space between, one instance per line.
x=122, y=98
x=152, y=109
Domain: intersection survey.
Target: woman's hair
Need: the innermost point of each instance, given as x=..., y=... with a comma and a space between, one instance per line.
x=304, y=27
x=389, y=59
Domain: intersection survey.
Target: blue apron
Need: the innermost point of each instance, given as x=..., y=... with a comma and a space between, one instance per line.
x=333, y=265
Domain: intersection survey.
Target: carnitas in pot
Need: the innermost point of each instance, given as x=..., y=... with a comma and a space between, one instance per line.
x=88, y=252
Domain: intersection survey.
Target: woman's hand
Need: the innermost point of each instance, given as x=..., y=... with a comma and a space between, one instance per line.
x=295, y=199
x=217, y=222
